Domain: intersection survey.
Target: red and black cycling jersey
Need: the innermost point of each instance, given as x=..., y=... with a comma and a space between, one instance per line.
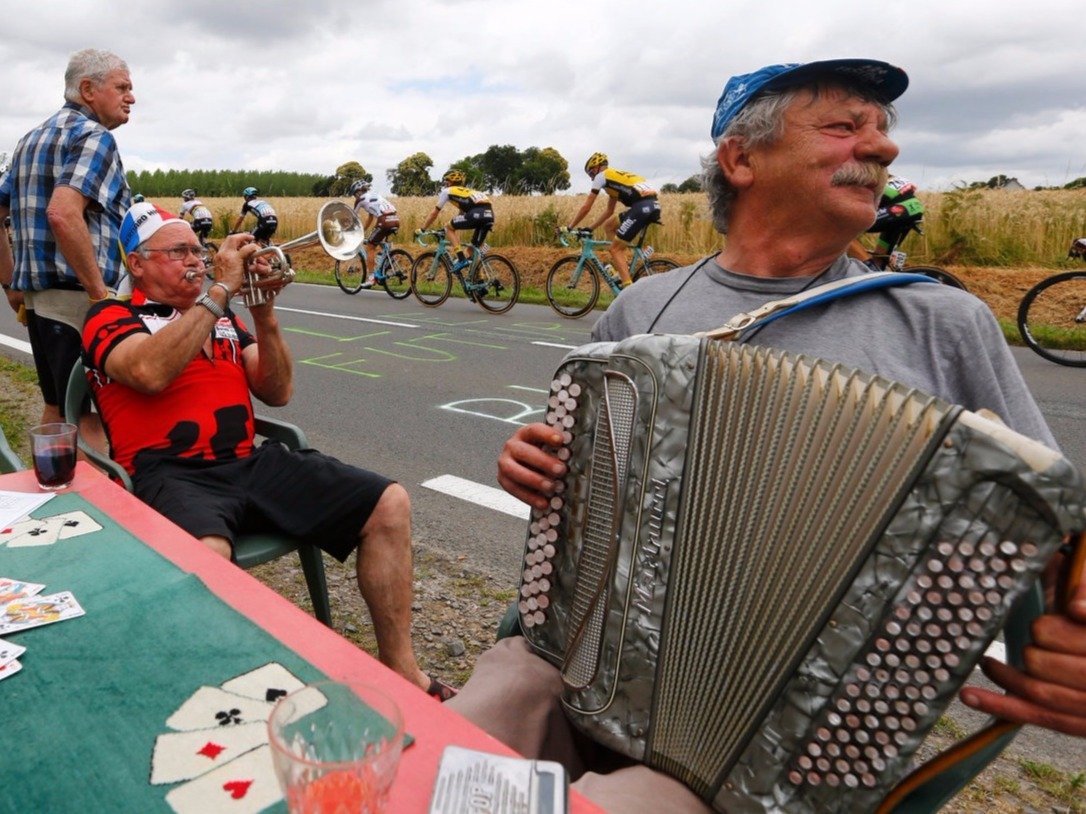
x=206, y=412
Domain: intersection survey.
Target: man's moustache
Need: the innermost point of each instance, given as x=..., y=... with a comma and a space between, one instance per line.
x=863, y=175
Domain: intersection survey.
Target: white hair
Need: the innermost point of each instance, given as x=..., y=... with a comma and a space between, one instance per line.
x=92, y=64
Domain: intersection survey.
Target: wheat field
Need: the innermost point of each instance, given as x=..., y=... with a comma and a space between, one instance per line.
x=962, y=227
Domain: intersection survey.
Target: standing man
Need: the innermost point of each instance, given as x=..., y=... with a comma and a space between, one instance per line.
x=66, y=193
x=787, y=137
x=635, y=193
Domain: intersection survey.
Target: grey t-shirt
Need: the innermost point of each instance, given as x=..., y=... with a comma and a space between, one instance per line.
x=925, y=335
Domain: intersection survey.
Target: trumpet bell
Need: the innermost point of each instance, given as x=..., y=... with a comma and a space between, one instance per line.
x=341, y=232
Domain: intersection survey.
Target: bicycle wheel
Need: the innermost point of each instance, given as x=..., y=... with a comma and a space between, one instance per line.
x=660, y=265
x=350, y=274
x=397, y=280
x=499, y=284
x=936, y=273
x=1052, y=318
x=572, y=289
x=209, y=264
x=430, y=279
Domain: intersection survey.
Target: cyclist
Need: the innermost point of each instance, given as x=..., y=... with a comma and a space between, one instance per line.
x=899, y=212
x=475, y=213
x=635, y=193
x=379, y=211
x=192, y=207
x=266, y=219
x=138, y=198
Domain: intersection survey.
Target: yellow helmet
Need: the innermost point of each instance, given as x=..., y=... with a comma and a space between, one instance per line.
x=595, y=160
x=454, y=177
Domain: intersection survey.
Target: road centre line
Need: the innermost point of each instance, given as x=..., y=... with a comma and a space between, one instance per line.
x=348, y=317
x=555, y=345
x=479, y=494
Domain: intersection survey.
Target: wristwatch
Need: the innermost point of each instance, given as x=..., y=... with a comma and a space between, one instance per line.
x=211, y=305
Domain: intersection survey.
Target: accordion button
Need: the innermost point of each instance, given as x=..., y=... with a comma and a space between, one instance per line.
x=574, y=390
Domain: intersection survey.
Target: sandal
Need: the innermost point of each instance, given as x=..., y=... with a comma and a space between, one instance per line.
x=440, y=690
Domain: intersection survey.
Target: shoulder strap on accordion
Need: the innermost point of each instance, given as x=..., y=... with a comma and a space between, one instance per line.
x=735, y=327
x=933, y=784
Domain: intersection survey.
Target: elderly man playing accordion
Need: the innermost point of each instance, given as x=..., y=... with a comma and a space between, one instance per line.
x=799, y=163
x=172, y=371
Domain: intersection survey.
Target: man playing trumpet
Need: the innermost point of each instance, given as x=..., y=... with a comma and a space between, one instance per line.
x=173, y=372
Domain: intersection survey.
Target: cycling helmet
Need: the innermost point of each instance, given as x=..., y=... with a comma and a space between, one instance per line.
x=250, y=192
x=188, y=194
x=454, y=177
x=359, y=187
x=594, y=161
x=137, y=198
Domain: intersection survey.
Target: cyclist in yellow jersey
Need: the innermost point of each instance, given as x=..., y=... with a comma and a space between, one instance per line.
x=475, y=212
x=631, y=190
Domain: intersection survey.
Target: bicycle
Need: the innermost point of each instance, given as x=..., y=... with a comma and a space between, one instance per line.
x=887, y=256
x=573, y=283
x=393, y=271
x=491, y=280
x=1052, y=315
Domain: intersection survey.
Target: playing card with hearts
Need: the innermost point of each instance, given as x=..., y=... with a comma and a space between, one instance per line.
x=181, y=756
x=10, y=669
x=246, y=784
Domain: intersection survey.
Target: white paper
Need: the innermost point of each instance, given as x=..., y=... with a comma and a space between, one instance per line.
x=17, y=505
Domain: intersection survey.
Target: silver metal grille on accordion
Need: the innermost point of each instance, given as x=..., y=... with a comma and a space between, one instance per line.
x=767, y=575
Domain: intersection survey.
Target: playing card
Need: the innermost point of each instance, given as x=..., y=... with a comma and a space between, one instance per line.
x=268, y=683
x=12, y=589
x=209, y=707
x=39, y=532
x=9, y=651
x=10, y=669
x=38, y=610
x=184, y=755
x=246, y=784
x=76, y=524
x=16, y=529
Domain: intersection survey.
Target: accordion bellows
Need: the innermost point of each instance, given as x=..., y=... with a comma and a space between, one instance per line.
x=767, y=575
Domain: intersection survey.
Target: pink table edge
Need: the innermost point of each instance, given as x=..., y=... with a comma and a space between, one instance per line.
x=433, y=725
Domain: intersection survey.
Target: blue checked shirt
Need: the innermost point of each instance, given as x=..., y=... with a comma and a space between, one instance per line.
x=70, y=149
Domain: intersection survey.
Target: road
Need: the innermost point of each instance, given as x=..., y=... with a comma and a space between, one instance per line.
x=429, y=396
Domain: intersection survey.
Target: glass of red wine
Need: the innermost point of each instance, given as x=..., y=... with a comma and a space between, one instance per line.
x=53, y=448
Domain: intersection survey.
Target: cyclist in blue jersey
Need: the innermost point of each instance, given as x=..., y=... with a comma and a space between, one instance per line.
x=266, y=219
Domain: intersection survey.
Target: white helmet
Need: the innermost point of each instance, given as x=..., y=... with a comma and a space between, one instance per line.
x=188, y=194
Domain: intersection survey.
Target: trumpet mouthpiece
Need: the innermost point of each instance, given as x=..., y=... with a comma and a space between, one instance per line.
x=192, y=275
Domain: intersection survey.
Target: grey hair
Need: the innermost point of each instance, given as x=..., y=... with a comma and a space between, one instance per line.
x=92, y=64
x=759, y=124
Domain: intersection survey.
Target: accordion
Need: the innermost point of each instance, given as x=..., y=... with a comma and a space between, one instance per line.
x=767, y=575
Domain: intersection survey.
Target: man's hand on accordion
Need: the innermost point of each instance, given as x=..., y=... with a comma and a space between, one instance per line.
x=527, y=466
x=1051, y=691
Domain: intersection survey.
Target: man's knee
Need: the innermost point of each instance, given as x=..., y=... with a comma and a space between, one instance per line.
x=392, y=512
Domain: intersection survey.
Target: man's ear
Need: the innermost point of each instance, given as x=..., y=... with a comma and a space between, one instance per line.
x=86, y=90
x=734, y=160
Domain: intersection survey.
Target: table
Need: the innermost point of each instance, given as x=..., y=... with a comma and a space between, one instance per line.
x=82, y=711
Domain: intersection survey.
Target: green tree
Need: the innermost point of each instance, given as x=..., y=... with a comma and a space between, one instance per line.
x=412, y=176
x=544, y=171
x=691, y=184
x=347, y=174
x=474, y=176
x=669, y=188
x=501, y=167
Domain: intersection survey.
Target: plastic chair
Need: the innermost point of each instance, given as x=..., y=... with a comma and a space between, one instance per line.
x=9, y=461
x=250, y=550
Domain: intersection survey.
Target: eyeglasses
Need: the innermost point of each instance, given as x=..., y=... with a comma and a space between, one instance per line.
x=181, y=252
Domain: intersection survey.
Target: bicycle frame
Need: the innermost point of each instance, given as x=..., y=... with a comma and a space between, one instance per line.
x=589, y=258
x=441, y=249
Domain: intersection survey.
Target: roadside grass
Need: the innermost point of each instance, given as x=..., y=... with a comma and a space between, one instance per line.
x=20, y=387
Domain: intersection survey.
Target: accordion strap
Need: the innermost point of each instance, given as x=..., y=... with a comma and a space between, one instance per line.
x=738, y=325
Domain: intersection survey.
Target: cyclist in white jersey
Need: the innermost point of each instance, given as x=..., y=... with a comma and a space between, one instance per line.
x=192, y=208
x=378, y=211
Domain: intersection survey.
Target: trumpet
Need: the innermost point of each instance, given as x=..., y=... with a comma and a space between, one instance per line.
x=339, y=232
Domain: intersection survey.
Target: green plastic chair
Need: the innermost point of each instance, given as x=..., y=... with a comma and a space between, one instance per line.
x=250, y=550
x=9, y=461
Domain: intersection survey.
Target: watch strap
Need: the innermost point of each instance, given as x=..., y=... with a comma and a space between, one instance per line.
x=211, y=305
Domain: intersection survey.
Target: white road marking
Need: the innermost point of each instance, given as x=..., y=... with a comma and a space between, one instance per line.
x=348, y=316
x=555, y=345
x=12, y=342
x=487, y=496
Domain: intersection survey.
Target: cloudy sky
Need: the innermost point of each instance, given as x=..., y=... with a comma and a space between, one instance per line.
x=996, y=87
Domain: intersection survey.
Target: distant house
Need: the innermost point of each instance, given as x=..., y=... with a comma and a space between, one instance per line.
x=1011, y=184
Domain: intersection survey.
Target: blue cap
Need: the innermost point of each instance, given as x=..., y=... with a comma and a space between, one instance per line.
x=887, y=81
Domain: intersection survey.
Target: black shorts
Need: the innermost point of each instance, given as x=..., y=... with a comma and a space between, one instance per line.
x=635, y=219
x=386, y=227
x=265, y=230
x=480, y=219
x=202, y=228
x=56, y=348
x=302, y=493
